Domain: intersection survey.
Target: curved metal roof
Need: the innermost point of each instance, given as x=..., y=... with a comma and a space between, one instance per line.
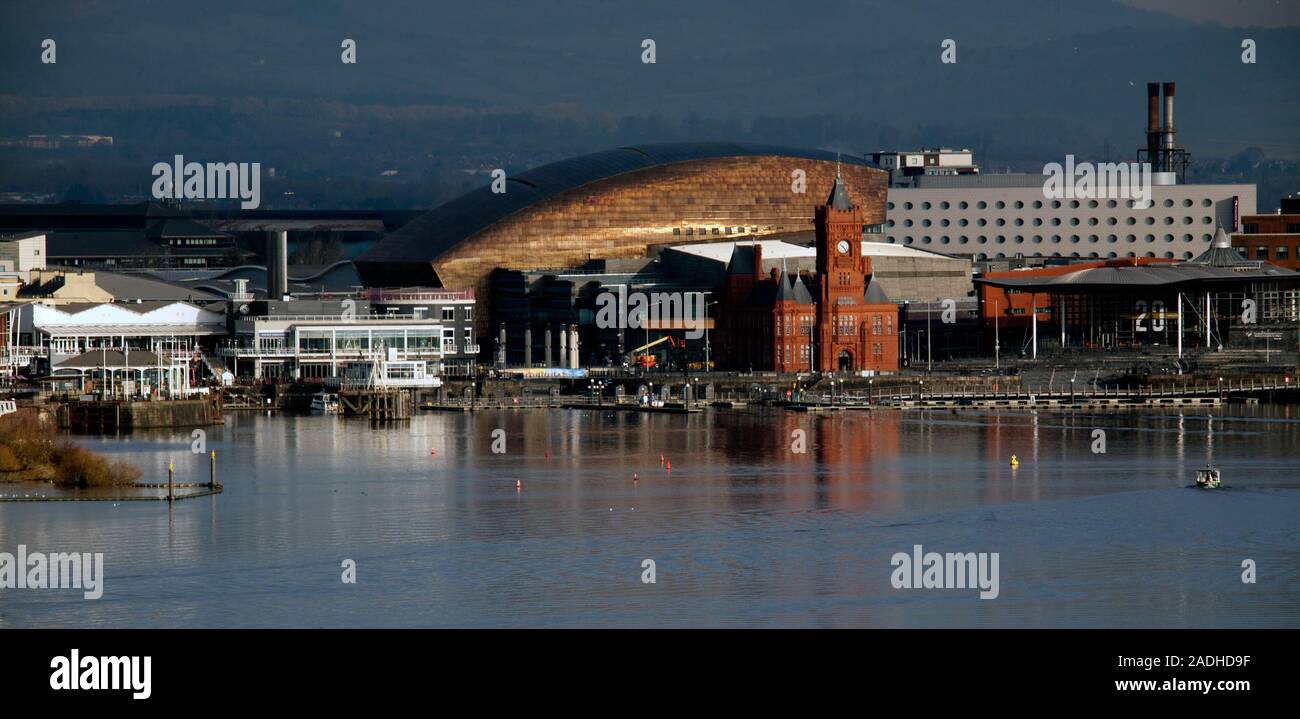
x=449, y=224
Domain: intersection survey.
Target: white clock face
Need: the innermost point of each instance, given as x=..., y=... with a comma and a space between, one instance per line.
x=843, y=247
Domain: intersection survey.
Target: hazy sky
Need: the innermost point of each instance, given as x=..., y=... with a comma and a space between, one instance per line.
x=1266, y=13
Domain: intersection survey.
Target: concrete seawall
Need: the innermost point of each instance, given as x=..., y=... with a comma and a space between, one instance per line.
x=126, y=416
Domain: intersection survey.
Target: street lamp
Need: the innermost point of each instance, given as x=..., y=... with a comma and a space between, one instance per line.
x=871, y=394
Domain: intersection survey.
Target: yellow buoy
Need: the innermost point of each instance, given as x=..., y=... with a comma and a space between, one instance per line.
x=1014, y=462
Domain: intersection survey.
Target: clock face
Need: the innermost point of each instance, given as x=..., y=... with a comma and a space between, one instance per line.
x=843, y=247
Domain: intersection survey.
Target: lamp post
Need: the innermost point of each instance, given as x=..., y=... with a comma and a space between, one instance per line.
x=471, y=394
x=1220, y=389
x=871, y=394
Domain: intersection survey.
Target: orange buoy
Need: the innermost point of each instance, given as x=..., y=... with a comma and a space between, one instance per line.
x=548, y=454
x=432, y=452
x=635, y=478
x=669, y=465
x=661, y=460
x=519, y=484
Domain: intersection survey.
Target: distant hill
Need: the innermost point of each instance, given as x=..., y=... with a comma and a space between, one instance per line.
x=506, y=83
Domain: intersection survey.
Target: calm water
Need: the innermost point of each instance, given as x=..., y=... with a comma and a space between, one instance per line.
x=744, y=532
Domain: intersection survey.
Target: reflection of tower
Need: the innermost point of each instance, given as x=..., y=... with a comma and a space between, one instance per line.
x=501, y=346
x=573, y=346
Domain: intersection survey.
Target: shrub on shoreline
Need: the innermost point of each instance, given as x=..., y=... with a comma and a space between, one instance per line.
x=28, y=452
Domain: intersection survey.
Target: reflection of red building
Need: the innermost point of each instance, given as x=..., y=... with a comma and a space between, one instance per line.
x=836, y=320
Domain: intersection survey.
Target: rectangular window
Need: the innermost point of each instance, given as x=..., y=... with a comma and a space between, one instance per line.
x=889, y=325
x=1281, y=252
x=1261, y=252
x=469, y=313
x=448, y=314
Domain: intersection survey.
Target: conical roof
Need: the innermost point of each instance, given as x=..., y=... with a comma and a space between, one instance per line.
x=1221, y=253
x=839, y=197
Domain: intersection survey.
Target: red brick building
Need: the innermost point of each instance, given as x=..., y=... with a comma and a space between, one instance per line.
x=1272, y=238
x=836, y=320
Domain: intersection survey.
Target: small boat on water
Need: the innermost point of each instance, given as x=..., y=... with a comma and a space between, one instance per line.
x=1208, y=478
x=325, y=403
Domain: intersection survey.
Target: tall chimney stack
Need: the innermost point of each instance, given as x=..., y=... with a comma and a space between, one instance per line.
x=277, y=264
x=1169, y=126
x=1153, y=125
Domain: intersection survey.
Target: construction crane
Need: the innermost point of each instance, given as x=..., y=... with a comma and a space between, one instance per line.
x=640, y=358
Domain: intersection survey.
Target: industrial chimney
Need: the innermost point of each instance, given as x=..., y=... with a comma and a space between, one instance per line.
x=277, y=264
x=1169, y=117
x=1153, y=125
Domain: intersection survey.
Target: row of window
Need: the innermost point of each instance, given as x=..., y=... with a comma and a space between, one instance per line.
x=1281, y=252
x=1038, y=204
x=318, y=341
x=1090, y=255
x=785, y=354
x=1055, y=221
x=1037, y=239
x=845, y=325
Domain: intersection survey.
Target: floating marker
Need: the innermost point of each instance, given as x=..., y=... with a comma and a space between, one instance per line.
x=635, y=478
x=1014, y=462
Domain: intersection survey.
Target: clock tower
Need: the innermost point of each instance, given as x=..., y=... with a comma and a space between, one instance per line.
x=841, y=276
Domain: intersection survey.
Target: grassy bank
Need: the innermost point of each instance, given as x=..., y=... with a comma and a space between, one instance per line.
x=29, y=451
